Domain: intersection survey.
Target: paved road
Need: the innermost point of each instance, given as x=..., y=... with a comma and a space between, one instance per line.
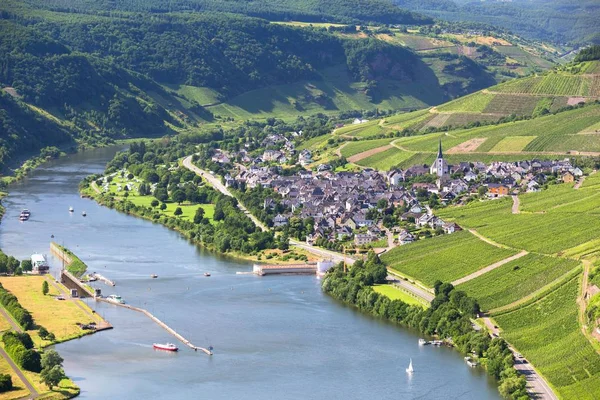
x=8, y=318
x=516, y=203
x=536, y=385
x=216, y=183
x=32, y=392
x=414, y=289
x=489, y=268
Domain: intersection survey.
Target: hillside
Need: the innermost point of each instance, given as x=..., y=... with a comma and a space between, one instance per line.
x=547, y=20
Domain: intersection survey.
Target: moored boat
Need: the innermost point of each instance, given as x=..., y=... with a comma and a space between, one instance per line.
x=84, y=213
x=71, y=209
x=113, y=298
x=166, y=346
x=39, y=265
x=423, y=342
x=207, y=274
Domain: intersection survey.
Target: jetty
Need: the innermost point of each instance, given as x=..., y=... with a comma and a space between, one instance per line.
x=313, y=268
x=102, y=278
x=161, y=324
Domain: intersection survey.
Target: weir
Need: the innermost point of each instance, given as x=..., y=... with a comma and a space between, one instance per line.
x=161, y=324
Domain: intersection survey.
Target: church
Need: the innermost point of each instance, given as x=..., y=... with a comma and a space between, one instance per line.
x=440, y=166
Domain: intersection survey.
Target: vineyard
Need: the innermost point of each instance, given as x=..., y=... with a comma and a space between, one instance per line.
x=554, y=83
x=512, y=143
x=385, y=160
x=547, y=333
x=353, y=148
x=568, y=220
x=358, y=129
x=413, y=120
x=516, y=279
x=446, y=257
x=474, y=103
x=507, y=104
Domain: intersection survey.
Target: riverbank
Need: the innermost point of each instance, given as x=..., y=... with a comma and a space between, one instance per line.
x=448, y=318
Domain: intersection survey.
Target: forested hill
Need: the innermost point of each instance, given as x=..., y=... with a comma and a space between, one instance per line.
x=555, y=21
x=99, y=75
x=343, y=11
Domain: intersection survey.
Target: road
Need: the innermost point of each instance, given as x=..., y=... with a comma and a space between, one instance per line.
x=489, y=268
x=414, y=289
x=11, y=321
x=536, y=385
x=32, y=392
x=334, y=256
x=516, y=203
x=216, y=183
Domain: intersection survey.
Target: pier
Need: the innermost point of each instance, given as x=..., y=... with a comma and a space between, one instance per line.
x=102, y=278
x=313, y=268
x=161, y=324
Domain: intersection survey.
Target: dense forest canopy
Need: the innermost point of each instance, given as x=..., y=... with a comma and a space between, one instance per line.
x=345, y=11
x=557, y=21
x=588, y=54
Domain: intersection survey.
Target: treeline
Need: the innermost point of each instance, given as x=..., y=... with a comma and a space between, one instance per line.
x=12, y=305
x=345, y=11
x=231, y=231
x=449, y=317
x=19, y=347
x=588, y=54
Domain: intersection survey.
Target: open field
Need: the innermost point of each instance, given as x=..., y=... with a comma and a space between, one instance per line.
x=516, y=279
x=189, y=210
x=548, y=334
x=19, y=389
x=397, y=294
x=446, y=257
x=59, y=317
x=550, y=221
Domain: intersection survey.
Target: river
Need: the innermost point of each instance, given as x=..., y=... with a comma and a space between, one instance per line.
x=274, y=337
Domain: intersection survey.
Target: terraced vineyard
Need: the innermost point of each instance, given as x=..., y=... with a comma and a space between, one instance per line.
x=446, y=257
x=555, y=83
x=554, y=227
x=548, y=334
x=353, y=148
x=516, y=279
x=385, y=160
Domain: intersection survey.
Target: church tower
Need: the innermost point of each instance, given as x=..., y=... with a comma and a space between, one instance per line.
x=439, y=166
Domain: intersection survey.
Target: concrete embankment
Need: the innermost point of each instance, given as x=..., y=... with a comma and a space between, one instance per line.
x=161, y=324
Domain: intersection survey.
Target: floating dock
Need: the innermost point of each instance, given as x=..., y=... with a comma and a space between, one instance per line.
x=270, y=269
x=160, y=323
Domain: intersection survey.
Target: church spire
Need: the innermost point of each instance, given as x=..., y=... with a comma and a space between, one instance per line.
x=440, y=155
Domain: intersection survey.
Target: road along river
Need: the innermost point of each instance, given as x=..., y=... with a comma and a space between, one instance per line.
x=275, y=337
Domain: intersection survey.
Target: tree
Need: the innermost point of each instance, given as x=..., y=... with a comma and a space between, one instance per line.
x=178, y=196
x=45, y=288
x=163, y=206
x=161, y=194
x=5, y=383
x=43, y=332
x=50, y=359
x=154, y=203
x=52, y=377
x=199, y=215
x=178, y=211
x=26, y=265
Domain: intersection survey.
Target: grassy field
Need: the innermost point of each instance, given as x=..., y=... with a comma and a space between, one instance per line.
x=516, y=279
x=19, y=390
x=189, y=210
x=397, y=294
x=59, y=317
x=446, y=257
x=473, y=103
x=548, y=334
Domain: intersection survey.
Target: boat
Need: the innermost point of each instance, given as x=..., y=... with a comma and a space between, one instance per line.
x=39, y=265
x=113, y=298
x=410, y=369
x=423, y=342
x=166, y=346
x=471, y=362
x=83, y=213
x=26, y=212
x=71, y=209
x=153, y=276
x=24, y=216
x=207, y=274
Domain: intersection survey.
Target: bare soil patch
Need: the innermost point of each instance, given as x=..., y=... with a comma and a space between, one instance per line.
x=368, y=153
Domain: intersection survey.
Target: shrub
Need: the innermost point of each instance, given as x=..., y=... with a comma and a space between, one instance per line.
x=5, y=383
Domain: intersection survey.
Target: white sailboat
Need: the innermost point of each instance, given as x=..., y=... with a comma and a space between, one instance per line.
x=410, y=369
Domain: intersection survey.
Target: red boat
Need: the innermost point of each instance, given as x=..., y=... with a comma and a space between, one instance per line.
x=167, y=346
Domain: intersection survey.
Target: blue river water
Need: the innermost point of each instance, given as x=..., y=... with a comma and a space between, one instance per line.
x=274, y=337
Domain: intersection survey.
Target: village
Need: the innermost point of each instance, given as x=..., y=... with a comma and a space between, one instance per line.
x=374, y=209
